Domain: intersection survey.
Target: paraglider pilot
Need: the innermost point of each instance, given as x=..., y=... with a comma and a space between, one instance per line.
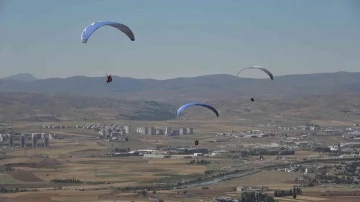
x=196, y=143
x=109, y=79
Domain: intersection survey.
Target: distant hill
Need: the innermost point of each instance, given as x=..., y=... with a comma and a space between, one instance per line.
x=323, y=96
x=34, y=107
x=179, y=90
x=22, y=77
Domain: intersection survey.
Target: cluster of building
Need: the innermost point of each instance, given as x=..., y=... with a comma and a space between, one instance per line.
x=349, y=132
x=251, y=189
x=115, y=130
x=109, y=132
x=20, y=140
x=168, y=131
x=305, y=169
x=249, y=134
x=307, y=127
x=114, y=137
x=107, y=129
x=346, y=132
x=312, y=127
x=55, y=126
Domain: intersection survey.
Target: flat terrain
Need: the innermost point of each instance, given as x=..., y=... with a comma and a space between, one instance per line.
x=79, y=154
x=67, y=159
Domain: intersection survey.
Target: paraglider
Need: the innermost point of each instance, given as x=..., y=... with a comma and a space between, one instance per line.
x=182, y=108
x=257, y=67
x=260, y=68
x=109, y=79
x=89, y=30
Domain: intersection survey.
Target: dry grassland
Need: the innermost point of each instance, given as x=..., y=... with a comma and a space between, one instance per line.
x=121, y=170
x=271, y=179
x=321, y=199
x=104, y=195
x=332, y=123
x=336, y=188
x=107, y=196
x=56, y=196
x=300, y=199
x=57, y=148
x=130, y=169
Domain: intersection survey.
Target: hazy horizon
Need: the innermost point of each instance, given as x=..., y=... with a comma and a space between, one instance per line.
x=179, y=38
x=179, y=77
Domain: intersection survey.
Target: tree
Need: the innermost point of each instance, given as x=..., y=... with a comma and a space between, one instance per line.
x=144, y=193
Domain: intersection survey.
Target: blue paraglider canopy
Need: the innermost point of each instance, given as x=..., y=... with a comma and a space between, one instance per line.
x=89, y=30
x=182, y=108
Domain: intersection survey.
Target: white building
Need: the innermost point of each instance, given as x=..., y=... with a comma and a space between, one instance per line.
x=141, y=130
x=334, y=148
x=182, y=131
x=175, y=132
x=159, y=131
x=150, y=131
x=127, y=129
x=168, y=131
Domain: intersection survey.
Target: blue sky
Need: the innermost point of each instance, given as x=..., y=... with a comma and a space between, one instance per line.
x=182, y=38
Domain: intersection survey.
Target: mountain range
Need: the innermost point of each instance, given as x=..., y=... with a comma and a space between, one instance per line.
x=220, y=86
x=23, y=77
x=322, y=96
